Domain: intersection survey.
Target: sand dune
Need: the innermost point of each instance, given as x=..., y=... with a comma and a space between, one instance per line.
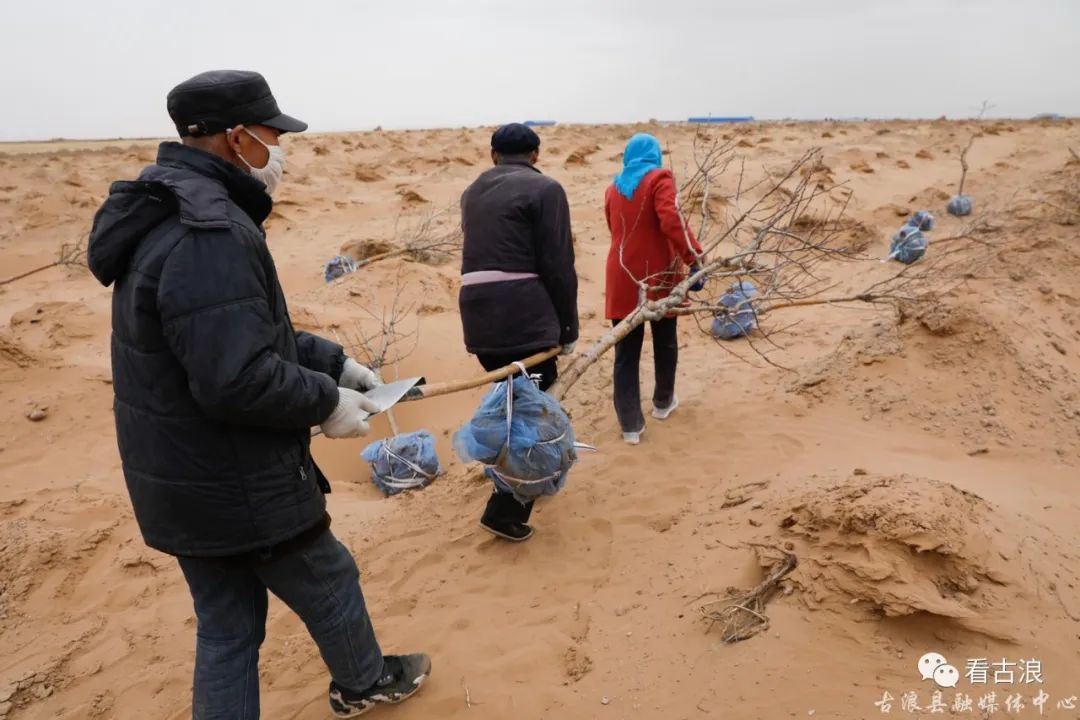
x=922, y=463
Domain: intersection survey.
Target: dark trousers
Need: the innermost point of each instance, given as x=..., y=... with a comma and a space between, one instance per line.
x=318, y=581
x=503, y=507
x=665, y=339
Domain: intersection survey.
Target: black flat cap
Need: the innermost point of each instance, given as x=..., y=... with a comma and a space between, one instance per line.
x=514, y=139
x=212, y=102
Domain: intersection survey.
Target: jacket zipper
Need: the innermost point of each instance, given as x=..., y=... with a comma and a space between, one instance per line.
x=305, y=453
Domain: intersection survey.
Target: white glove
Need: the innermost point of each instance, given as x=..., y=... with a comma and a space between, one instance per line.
x=349, y=418
x=357, y=377
x=568, y=348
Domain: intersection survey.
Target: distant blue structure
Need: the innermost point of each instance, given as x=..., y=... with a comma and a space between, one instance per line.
x=539, y=123
x=733, y=119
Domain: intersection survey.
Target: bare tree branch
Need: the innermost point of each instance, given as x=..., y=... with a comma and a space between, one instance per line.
x=743, y=614
x=964, y=165
x=787, y=229
x=984, y=108
x=422, y=392
x=433, y=238
x=69, y=255
x=388, y=344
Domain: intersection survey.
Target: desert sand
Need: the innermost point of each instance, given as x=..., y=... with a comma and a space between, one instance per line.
x=922, y=465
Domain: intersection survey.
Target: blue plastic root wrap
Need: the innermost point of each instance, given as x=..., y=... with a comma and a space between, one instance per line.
x=960, y=205
x=523, y=437
x=921, y=220
x=338, y=267
x=908, y=245
x=741, y=319
x=403, y=462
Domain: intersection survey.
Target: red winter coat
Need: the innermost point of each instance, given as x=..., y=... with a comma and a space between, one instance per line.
x=650, y=233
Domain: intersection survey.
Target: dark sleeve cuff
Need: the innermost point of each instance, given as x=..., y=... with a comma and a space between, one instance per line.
x=337, y=364
x=329, y=401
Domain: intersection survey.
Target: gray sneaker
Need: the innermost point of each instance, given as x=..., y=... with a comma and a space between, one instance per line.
x=665, y=413
x=401, y=679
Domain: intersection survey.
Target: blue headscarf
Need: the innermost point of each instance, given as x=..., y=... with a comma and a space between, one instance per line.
x=642, y=155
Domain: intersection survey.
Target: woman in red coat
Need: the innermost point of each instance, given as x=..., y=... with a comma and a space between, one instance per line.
x=649, y=241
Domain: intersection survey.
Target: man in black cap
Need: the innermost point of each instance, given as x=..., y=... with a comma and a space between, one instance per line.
x=216, y=395
x=519, y=284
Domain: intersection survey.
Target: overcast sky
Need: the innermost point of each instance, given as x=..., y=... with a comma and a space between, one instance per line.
x=102, y=68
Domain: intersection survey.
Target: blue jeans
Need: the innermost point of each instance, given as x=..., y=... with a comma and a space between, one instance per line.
x=319, y=582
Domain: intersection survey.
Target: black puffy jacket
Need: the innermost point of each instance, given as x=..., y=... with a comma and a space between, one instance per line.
x=216, y=393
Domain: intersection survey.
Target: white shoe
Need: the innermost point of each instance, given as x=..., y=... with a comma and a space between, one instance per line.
x=665, y=413
x=633, y=438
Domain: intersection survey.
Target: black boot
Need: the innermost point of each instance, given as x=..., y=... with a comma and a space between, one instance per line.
x=507, y=518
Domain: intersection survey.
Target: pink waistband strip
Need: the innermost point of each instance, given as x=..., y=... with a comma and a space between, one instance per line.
x=482, y=277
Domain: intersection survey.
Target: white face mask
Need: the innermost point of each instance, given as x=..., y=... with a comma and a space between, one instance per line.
x=269, y=174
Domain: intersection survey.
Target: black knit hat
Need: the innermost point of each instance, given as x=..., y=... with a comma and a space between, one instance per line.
x=514, y=139
x=214, y=101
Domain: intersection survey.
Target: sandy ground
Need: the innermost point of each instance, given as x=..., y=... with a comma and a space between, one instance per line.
x=922, y=466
